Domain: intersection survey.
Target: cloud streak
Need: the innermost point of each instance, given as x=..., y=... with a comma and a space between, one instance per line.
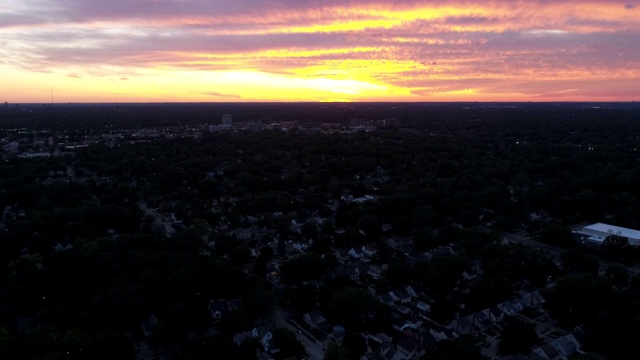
x=409, y=50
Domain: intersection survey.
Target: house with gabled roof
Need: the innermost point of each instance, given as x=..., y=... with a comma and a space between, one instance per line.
x=429, y=341
x=342, y=256
x=263, y=334
x=316, y=321
x=511, y=308
x=403, y=310
x=461, y=325
x=564, y=346
x=401, y=296
x=217, y=310
x=469, y=275
x=374, y=271
x=339, y=271
x=387, y=351
x=411, y=292
x=400, y=325
x=577, y=337
x=409, y=348
x=533, y=298
x=337, y=333
x=480, y=320
x=386, y=299
x=149, y=324
x=422, y=307
x=369, y=250
x=356, y=253
x=380, y=338
x=402, y=245
x=241, y=337
x=356, y=272
x=495, y=314
x=441, y=333
x=547, y=352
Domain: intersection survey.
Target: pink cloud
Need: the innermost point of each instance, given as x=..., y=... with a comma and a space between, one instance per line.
x=472, y=44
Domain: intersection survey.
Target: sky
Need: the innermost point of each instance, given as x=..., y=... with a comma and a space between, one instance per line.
x=318, y=50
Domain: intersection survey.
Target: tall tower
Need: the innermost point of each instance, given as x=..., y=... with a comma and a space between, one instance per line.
x=227, y=119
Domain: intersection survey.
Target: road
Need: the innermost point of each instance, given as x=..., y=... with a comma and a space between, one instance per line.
x=159, y=220
x=315, y=349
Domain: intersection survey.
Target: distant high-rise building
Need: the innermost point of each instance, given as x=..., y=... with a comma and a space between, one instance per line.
x=391, y=122
x=357, y=122
x=227, y=119
x=6, y=105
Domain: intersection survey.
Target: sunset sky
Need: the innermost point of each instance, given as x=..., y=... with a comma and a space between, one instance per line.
x=319, y=50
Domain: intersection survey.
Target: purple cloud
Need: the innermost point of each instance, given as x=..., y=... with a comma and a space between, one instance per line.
x=478, y=44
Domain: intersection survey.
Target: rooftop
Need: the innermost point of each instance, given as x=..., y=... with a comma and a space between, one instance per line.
x=600, y=231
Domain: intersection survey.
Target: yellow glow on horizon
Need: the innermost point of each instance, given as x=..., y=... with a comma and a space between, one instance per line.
x=187, y=86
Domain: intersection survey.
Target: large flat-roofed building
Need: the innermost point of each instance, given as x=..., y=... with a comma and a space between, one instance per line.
x=598, y=232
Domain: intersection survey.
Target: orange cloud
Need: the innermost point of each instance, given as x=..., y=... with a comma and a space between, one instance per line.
x=298, y=50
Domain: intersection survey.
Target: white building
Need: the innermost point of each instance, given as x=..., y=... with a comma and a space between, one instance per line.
x=598, y=232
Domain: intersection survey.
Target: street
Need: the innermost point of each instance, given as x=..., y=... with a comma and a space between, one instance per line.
x=315, y=350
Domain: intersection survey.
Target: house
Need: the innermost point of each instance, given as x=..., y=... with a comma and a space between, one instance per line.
x=241, y=337
x=400, y=325
x=469, y=275
x=441, y=333
x=342, y=256
x=547, y=352
x=386, y=299
x=428, y=341
x=316, y=321
x=273, y=278
x=63, y=246
x=402, y=309
x=461, y=325
x=495, y=314
x=388, y=351
x=577, y=338
x=564, y=346
x=263, y=334
x=481, y=319
x=401, y=296
x=409, y=290
x=369, y=250
x=355, y=272
x=415, y=323
x=300, y=246
x=423, y=308
x=381, y=338
x=240, y=233
x=266, y=356
x=233, y=305
x=402, y=245
x=531, y=298
x=511, y=308
x=339, y=271
x=374, y=271
x=409, y=348
x=356, y=253
x=337, y=333
x=217, y=309
x=149, y=324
